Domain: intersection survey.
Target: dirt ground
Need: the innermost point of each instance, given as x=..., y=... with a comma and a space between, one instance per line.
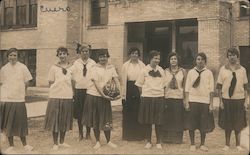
x=42, y=141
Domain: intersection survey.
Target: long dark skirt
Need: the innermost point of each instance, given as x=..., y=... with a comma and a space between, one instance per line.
x=199, y=117
x=131, y=128
x=59, y=115
x=151, y=110
x=97, y=113
x=79, y=100
x=1, y=115
x=173, y=126
x=15, y=121
x=233, y=116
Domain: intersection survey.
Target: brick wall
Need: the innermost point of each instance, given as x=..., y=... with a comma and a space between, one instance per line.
x=241, y=27
x=74, y=25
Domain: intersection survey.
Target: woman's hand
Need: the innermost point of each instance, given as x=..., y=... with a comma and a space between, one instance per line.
x=116, y=98
x=221, y=104
x=107, y=97
x=187, y=106
x=211, y=108
x=246, y=103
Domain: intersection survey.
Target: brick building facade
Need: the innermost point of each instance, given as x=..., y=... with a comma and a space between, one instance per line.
x=182, y=26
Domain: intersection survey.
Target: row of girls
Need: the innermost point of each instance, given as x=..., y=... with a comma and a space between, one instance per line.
x=171, y=99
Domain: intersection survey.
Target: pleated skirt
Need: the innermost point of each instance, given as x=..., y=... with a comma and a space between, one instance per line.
x=173, y=124
x=131, y=129
x=97, y=113
x=15, y=121
x=233, y=116
x=78, y=105
x=1, y=115
x=151, y=110
x=59, y=115
x=199, y=117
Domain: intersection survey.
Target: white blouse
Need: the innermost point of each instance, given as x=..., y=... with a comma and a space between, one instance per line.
x=200, y=94
x=133, y=71
x=101, y=75
x=174, y=93
x=151, y=86
x=224, y=78
x=62, y=86
x=13, y=78
x=82, y=82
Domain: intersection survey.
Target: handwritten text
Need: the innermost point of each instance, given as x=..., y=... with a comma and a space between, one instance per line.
x=55, y=9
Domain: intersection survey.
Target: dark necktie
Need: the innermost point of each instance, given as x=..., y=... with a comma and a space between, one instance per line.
x=84, y=69
x=232, y=86
x=197, y=81
x=64, y=71
x=154, y=73
x=173, y=83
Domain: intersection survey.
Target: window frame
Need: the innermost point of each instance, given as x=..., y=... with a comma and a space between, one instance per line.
x=15, y=24
x=99, y=20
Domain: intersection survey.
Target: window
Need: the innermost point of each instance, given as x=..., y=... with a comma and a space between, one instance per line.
x=33, y=12
x=8, y=12
x=19, y=14
x=99, y=12
x=187, y=41
x=244, y=9
x=21, y=8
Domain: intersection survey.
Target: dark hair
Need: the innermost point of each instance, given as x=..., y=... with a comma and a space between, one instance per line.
x=134, y=49
x=233, y=51
x=171, y=54
x=102, y=52
x=202, y=55
x=62, y=49
x=12, y=50
x=153, y=53
x=84, y=46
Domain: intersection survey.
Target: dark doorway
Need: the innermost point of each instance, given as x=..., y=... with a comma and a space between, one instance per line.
x=187, y=41
x=245, y=59
x=166, y=36
x=158, y=37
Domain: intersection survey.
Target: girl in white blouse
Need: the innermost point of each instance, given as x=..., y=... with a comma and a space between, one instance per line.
x=15, y=78
x=131, y=128
x=172, y=130
x=59, y=113
x=97, y=112
x=232, y=86
x=151, y=83
x=199, y=90
x=81, y=69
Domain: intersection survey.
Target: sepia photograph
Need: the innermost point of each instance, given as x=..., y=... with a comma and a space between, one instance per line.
x=169, y=77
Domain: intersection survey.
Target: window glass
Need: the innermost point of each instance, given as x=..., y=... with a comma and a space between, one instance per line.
x=244, y=9
x=33, y=12
x=187, y=41
x=8, y=12
x=24, y=13
x=99, y=12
